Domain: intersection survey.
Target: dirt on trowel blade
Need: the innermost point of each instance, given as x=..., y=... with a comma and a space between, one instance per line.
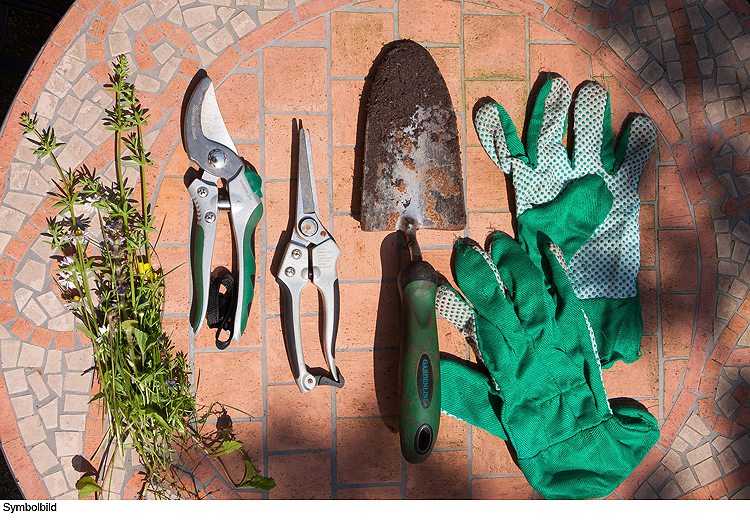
x=412, y=162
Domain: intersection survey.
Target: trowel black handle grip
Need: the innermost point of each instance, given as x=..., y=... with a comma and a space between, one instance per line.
x=419, y=363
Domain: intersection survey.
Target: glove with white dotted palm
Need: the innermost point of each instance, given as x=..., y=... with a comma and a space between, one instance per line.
x=604, y=270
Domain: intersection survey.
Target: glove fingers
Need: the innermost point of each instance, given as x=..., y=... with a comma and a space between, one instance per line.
x=452, y=306
x=526, y=288
x=570, y=220
x=633, y=150
x=498, y=135
x=549, y=118
x=592, y=129
x=466, y=394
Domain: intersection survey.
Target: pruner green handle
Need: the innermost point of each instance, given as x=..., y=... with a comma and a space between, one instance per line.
x=245, y=209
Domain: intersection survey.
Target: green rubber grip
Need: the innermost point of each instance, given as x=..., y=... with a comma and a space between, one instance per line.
x=419, y=363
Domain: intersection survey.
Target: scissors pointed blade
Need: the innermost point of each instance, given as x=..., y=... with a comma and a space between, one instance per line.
x=307, y=202
x=211, y=121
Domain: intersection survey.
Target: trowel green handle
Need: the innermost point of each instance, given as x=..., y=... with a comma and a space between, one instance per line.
x=419, y=365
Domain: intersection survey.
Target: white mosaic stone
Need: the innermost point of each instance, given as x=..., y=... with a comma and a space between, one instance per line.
x=43, y=457
x=62, y=323
x=51, y=304
x=206, y=58
x=32, y=430
x=71, y=475
x=741, y=46
x=722, y=387
x=138, y=16
x=741, y=447
x=641, y=14
x=4, y=239
x=715, y=8
x=54, y=382
x=23, y=406
x=745, y=373
x=79, y=360
x=666, y=94
x=87, y=115
x=144, y=83
x=742, y=231
x=672, y=461
x=175, y=16
x=728, y=405
x=48, y=413
x=31, y=356
x=695, y=18
x=34, y=313
x=686, y=480
x=58, y=85
x=218, y=2
x=718, y=41
x=735, y=107
x=77, y=382
x=10, y=219
x=679, y=445
x=34, y=378
x=24, y=202
x=659, y=476
x=46, y=104
x=84, y=85
x=670, y=491
x=645, y=492
x=725, y=306
x=225, y=13
x=265, y=17
x=163, y=52
x=56, y=484
x=220, y=40
x=119, y=44
x=15, y=381
x=715, y=112
x=690, y=436
x=70, y=68
x=9, y=352
x=76, y=403
x=68, y=443
x=74, y=152
x=160, y=7
x=205, y=31
x=638, y=59
x=699, y=454
x=728, y=461
x=69, y=107
x=54, y=361
x=72, y=422
x=255, y=3
x=196, y=16
x=707, y=471
x=168, y=70
x=37, y=184
x=22, y=296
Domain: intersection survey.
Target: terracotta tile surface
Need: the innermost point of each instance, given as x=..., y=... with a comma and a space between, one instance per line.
x=311, y=62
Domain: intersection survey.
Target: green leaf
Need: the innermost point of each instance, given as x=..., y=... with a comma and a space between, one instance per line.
x=227, y=446
x=86, y=486
x=141, y=338
x=252, y=479
x=97, y=396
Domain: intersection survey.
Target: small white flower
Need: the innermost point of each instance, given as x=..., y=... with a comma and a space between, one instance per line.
x=74, y=303
x=103, y=330
x=67, y=261
x=91, y=203
x=64, y=280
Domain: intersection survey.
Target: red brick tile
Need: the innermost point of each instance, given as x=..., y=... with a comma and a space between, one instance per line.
x=223, y=65
x=722, y=426
x=720, y=353
x=647, y=185
x=706, y=407
x=717, y=489
x=743, y=419
x=366, y=255
x=705, y=175
x=298, y=421
x=660, y=115
x=356, y=40
x=318, y=7
x=701, y=155
x=347, y=185
x=529, y=9
x=221, y=381
x=688, y=173
x=677, y=323
x=678, y=260
x=490, y=455
x=707, y=386
x=649, y=306
x=566, y=8
x=100, y=72
x=172, y=212
x=43, y=67
x=430, y=21
x=673, y=371
x=370, y=492
x=448, y=61
x=702, y=494
x=6, y=289
x=367, y=450
x=176, y=299
x=581, y=16
x=359, y=325
x=744, y=472
x=730, y=128
x=189, y=67
x=539, y=32
x=706, y=239
x=18, y=458
x=737, y=323
x=22, y=328
x=376, y=375
x=742, y=393
x=152, y=33
x=732, y=482
x=511, y=95
x=299, y=79
x=648, y=235
x=501, y=488
x=728, y=337
x=345, y=105
x=739, y=356
x=314, y=30
x=482, y=224
x=731, y=207
x=487, y=187
x=578, y=35
x=29, y=233
x=639, y=379
x=68, y=28
x=673, y=423
x=95, y=51
x=41, y=337
x=238, y=99
x=305, y=476
x=64, y=340
x=267, y=32
x=145, y=60
x=444, y=475
x=16, y=249
x=98, y=29
x=278, y=151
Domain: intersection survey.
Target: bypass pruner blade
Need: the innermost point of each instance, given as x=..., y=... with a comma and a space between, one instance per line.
x=311, y=255
x=207, y=143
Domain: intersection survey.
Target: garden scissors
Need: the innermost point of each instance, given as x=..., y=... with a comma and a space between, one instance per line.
x=207, y=143
x=310, y=255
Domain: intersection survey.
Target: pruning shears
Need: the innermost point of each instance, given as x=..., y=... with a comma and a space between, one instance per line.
x=310, y=256
x=207, y=143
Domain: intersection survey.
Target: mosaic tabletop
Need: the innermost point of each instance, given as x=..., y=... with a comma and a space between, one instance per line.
x=682, y=62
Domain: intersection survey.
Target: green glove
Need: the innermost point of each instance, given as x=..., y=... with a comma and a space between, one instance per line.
x=544, y=390
x=603, y=271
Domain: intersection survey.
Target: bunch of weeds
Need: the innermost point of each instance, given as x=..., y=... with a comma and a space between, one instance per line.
x=114, y=285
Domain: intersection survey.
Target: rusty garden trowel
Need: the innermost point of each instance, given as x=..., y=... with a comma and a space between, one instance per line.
x=413, y=179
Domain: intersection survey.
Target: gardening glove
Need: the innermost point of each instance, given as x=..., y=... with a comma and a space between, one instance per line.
x=603, y=269
x=542, y=387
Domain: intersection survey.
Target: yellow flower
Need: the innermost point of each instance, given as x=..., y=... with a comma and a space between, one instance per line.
x=144, y=268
